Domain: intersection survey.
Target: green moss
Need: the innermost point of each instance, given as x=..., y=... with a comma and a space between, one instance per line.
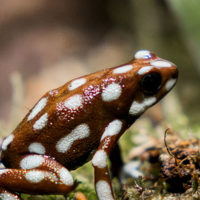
x=83, y=187
x=86, y=189
x=126, y=143
x=42, y=197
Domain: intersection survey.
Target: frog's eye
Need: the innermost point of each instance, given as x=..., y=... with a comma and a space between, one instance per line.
x=151, y=83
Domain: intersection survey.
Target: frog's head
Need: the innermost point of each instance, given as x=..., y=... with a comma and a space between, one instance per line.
x=154, y=77
x=144, y=80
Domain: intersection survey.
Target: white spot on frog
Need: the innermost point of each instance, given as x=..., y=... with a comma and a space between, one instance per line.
x=122, y=69
x=77, y=83
x=111, y=92
x=138, y=108
x=80, y=132
x=160, y=63
x=65, y=176
x=38, y=107
x=143, y=54
x=34, y=176
x=2, y=171
x=41, y=122
x=113, y=128
x=103, y=190
x=144, y=70
x=32, y=161
x=7, y=141
x=53, y=92
x=74, y=102
x=99, y=159
x=36, y=147
x=170, y=83
x=8, y=196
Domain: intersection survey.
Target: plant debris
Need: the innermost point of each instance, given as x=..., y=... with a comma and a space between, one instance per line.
x=170, y=172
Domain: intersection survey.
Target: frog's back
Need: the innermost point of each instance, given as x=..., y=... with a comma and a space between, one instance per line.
x=66, y=123
x=61, y=124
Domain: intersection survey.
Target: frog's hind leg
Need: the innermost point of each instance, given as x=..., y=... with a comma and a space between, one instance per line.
x=38, y=175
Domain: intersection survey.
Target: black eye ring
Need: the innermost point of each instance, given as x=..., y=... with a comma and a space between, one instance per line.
x=151, y=83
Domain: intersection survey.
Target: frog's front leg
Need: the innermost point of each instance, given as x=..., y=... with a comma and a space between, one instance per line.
x=38, y=175
x=116, y=161
x=108, y=140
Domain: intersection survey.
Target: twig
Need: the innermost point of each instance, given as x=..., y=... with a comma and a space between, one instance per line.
x=166, y=145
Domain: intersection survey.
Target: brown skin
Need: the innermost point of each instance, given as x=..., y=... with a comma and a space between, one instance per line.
x=94, y=112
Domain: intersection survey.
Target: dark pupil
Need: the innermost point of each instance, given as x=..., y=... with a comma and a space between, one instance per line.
x=151, y=83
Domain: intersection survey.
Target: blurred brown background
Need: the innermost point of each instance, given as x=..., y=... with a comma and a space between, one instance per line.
x=43, y=44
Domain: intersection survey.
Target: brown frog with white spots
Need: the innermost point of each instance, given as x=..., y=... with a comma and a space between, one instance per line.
x=80, y=121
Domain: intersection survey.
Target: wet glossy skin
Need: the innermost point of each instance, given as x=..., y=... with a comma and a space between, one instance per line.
x=79, y=121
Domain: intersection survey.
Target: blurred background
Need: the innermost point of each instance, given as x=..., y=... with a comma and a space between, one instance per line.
x=44, y=44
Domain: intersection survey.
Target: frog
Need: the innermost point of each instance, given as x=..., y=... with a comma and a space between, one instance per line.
x=79, y=122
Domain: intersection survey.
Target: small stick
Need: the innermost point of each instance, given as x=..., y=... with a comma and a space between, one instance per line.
x=168, y=150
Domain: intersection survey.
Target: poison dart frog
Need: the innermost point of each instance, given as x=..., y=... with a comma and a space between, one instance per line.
x=81, y=121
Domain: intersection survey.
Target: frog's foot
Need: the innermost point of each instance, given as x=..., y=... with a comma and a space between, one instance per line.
x=38, y=175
